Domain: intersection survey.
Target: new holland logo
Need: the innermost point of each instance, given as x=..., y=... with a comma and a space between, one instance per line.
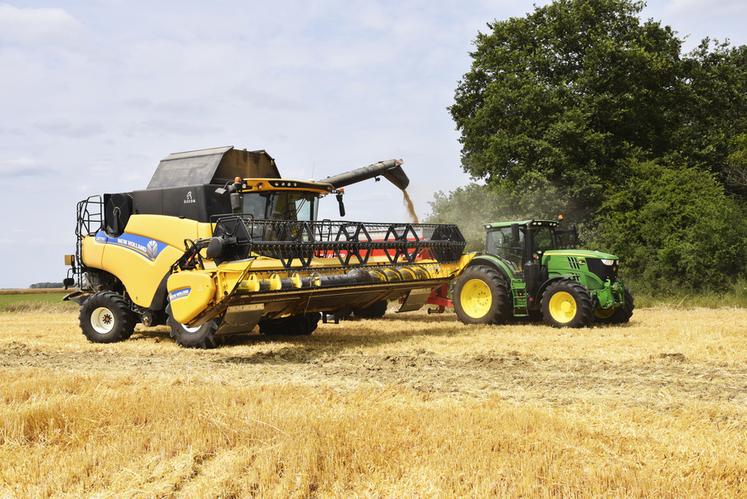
x=188, y=199
x=151, y=249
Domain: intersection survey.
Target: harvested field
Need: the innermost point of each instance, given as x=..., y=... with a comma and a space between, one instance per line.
x=411, y=404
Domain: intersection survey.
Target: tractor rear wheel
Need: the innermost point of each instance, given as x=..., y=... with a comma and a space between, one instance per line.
x=567, y=303
x=621, y=314
x=296, y=325
x=194, y=337
x=106, y=317
x=481, y=296
x=373, y=311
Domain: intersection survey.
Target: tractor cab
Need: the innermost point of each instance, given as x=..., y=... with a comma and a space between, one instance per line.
x=525, y=242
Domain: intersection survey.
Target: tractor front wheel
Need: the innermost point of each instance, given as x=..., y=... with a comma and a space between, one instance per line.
x=619, y=315
x=567, y=303
x=105, y=317
x=481, y=296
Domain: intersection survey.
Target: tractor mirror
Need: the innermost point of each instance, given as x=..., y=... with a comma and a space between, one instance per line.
x=341, y=204
x=515, y=234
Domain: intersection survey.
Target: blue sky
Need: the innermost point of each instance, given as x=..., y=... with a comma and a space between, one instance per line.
x=94, y=93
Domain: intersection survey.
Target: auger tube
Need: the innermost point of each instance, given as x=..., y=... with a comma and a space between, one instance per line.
x=390, y=169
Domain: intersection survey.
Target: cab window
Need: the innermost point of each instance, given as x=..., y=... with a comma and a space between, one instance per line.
x=544, y=239
x=500, y=242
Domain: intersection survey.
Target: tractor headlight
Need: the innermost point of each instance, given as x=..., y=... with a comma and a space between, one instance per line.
x=609, y=263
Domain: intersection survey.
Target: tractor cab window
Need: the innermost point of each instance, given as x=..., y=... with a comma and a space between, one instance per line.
x=500, y=242
x=544, y=239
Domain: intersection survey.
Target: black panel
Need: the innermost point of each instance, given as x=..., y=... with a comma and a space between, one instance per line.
x=117, y=211
x=198, y=202
x=603, y=271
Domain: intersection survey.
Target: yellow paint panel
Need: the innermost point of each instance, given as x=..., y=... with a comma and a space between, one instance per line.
x=91, y=252
x=189, y=294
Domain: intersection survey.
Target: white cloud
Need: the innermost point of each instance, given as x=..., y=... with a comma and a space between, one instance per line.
x=35, y=25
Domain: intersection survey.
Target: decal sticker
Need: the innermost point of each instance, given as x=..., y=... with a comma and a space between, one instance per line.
x=179, y=293
x=144, y=246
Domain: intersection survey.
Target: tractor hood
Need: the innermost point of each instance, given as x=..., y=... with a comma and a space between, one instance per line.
x=580, y=253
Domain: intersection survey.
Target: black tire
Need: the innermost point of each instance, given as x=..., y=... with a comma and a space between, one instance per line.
x=493, y=299
x=583, y=314
x=106, y=317
x=373, y=311
x=296, y=325
x=623, y=313
x=201, y=337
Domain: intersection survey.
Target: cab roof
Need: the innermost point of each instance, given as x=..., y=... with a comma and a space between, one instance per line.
x=500, y=225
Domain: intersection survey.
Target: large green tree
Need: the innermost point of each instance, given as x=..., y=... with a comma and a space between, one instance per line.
x=579, y=90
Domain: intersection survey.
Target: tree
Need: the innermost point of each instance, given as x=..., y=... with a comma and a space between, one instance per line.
x=674, y=228
x=475, y=205
x=579, y=90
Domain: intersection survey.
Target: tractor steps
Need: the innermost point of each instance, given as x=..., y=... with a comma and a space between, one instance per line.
x=519, y=294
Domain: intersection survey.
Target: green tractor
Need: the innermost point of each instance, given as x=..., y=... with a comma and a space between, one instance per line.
x=531, y=269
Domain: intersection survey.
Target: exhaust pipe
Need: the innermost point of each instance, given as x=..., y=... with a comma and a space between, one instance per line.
x=390, y=170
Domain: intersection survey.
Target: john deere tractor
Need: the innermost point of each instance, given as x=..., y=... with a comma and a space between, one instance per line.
x=531, y=268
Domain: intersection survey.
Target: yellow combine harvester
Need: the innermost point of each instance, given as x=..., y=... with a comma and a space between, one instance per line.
x=219, y=243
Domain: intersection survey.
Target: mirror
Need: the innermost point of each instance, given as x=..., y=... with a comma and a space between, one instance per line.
x=341, y=204
x=235, y=202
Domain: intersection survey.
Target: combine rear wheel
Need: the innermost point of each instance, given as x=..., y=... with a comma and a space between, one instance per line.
x=194, y=337
x=105, y=317
x=373, y=311
x=567, y=303
x=481, y=296
x=296, y=325
x=619, y=315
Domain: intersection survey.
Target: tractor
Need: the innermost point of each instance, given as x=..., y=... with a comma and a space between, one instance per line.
x=531, y=268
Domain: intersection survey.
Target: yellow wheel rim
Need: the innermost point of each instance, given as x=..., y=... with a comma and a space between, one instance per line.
x=601, y=313
x=476, y=298
x=562, y=307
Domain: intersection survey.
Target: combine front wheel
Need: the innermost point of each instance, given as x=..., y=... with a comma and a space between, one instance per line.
x=105, y=317
x=194, y=337
x=567, y=303
x=481, y=296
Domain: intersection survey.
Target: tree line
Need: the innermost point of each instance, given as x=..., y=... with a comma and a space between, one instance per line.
x=584, y=108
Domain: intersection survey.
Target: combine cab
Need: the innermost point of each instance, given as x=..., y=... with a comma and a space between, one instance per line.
x=220, y=243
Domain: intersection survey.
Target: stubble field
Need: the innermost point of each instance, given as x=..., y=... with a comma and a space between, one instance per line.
x=410, y=404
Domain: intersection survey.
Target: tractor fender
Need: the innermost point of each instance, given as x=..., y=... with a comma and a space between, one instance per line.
x=545, y=284
x=494, y=262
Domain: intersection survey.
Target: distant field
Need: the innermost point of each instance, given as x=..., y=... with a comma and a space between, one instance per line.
x=411, y=405
x=34, y=300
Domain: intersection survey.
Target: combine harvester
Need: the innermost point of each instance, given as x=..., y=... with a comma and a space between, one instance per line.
x=219, y=243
